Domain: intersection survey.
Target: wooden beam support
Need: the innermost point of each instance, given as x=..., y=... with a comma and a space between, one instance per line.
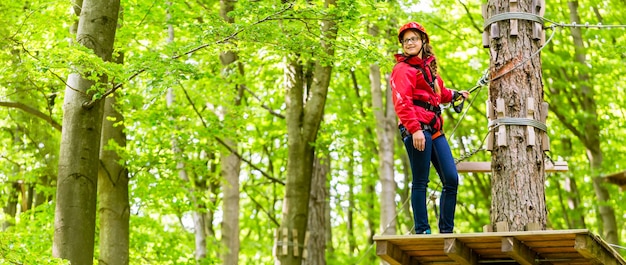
x=501, y=112
x=485, y=167
x=305, y=253
x=486, y=40
x=513, y=22
x=530, y=114
x=392, y=254
x=285, y=241
x=518, y=251
x=591, y=249
x=490, y=116
x=539, y=8
x=456, y=250
x=296, y=250
x=545, y=143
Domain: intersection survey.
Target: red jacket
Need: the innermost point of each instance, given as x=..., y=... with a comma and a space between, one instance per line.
x=408, y=84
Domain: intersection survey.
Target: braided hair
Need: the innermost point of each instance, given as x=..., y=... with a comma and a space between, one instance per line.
x=428, y=51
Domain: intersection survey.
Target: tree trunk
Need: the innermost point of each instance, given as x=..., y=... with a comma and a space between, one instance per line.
x=75, y=212
x=231, y=163
x=318, y=205
x=574, y=212
x=303, y=123
x=592, y=140
x=10, y=209
x=352, y=245
x=114, y=208
x=385, y=121
x=518, y=195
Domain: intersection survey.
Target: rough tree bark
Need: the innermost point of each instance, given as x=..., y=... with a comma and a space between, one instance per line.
x=518, y=175
x=318, y=205
x=75, y=212
x=303, y=123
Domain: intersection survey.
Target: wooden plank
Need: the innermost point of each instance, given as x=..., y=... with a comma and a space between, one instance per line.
x=530, y=114
x=545, y=143
x=591, y=249
x=486, y=32
x=456, y=250
x=513, y=22
x=391, y=253
x=617, y=179
x=534, y=227
x=501, y=136
x=285, y=241
x=529, y=235
x=576, y=246
x=296, y=251
x=518, y=251
x=485, y=167
x=502, y=227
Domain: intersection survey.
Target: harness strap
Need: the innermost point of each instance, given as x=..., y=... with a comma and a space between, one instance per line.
x=428, y=80
x=405, y=133
x=431, y=108
x=427, y=106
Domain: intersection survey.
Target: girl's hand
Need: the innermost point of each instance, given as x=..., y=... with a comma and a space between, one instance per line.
x=419, y=140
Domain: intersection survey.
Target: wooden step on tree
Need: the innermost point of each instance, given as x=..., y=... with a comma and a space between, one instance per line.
x=618, y=179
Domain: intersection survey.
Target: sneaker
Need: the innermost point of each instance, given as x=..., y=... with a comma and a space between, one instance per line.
x=425, y=232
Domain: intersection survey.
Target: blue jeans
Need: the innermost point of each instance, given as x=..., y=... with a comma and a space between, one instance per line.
x=437, y=151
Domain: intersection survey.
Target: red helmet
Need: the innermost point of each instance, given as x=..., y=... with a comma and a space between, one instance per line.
x=412, y=25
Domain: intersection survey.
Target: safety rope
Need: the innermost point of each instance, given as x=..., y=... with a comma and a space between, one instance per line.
x=393, y=221
x=616, y=246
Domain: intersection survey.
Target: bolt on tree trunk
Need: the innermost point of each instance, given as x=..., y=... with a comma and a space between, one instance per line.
x=518, y=194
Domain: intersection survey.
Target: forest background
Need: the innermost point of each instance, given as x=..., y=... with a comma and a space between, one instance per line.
x=183, y=106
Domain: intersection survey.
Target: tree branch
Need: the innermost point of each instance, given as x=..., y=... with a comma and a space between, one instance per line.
x=32, y=111
x=222, y=41
x=219, y=140
x=476, y=26
x=273, y=112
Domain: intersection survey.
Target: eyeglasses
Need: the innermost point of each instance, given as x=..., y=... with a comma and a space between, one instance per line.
x=411, y=40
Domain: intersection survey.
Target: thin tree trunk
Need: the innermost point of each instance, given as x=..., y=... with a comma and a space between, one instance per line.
x=10, y=208
x=114, y=207
x=518, y=195
x=198, y=217
x=351, y=202
x=592, y=140
x=318, y=205
x=303, y=123
x=385, y=120
x=231, y=164
x=75, y=212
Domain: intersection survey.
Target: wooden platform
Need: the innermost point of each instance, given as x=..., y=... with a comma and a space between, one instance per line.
x=528, y=247
x=485, y=167
x=618, y=179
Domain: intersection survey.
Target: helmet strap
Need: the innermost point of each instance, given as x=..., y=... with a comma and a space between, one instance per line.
x=420, y=51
